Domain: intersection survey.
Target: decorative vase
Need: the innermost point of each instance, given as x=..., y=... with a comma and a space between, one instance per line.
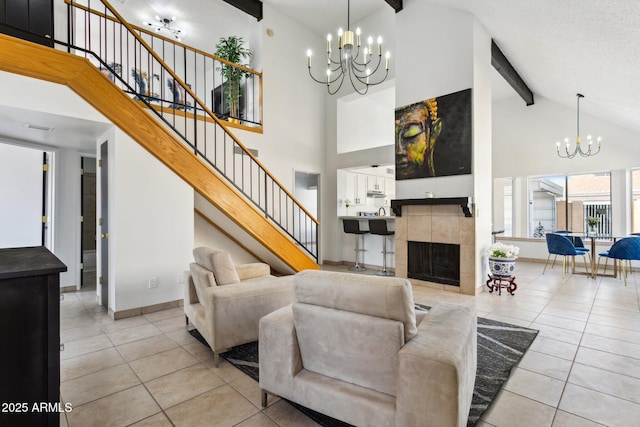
x=502, y=267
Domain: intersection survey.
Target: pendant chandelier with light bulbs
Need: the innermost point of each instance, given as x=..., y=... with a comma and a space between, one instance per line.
x=567, y=153
x=165, y=24
x=360, y=70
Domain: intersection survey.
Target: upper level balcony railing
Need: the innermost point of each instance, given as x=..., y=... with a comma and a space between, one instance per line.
x=201, y=71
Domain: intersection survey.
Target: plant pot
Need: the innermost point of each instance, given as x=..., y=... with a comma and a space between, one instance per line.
x=502, y=267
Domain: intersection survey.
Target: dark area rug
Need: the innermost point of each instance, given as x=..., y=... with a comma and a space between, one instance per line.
x=500, y=348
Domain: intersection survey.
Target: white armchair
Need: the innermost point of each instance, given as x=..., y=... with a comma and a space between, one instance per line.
x=225, y=301
x=350, y=348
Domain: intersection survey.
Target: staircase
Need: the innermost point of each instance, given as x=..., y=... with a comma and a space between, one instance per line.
x=175, y=126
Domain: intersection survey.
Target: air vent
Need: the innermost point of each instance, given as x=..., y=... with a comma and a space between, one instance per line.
x=38, y=127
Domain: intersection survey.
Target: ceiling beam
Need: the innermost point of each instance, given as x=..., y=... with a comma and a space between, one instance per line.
x=506, y=70
x=395, y=4
x=252, y=7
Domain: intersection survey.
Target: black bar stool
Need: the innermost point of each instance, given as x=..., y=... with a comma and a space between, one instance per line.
x=352, y=226
x=379, y=227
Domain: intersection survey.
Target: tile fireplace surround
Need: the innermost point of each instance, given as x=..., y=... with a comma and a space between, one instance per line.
x=438, y=223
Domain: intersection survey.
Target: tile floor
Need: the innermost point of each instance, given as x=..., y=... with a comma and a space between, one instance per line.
x=583, y=369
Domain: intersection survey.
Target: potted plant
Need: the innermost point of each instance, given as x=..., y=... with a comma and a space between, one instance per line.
x=592, y=222
x=233, y=50
x=502, y=259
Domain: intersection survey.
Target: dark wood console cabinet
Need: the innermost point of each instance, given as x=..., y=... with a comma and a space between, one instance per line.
x=29, y=337
x=30, y=20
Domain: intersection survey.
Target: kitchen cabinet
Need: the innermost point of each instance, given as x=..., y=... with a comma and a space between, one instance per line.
x=356, y=188
x=376, y=184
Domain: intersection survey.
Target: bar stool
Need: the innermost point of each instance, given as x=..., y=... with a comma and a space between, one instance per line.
x=379, y=227
x=352, y=226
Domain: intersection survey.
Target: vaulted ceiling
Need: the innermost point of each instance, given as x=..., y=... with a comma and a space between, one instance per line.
x=559, y=48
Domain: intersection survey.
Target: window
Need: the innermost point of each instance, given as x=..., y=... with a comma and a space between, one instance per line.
x=508, y=207
x=565, y=202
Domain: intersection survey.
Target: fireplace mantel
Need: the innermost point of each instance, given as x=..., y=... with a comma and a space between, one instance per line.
x=464, y=202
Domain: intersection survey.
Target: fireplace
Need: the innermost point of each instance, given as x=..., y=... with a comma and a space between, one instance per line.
x=434, y=262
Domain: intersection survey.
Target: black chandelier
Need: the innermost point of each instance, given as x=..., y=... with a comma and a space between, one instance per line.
x=361, y=70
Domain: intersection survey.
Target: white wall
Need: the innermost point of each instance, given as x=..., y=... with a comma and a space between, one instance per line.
x=482, y=149
x=294, y=115
x=151, y=209
x=533, y=130
x=366, y=122
x=435, y=58
x=530, y=133
x=20, y=196
x=151, y=227
x=207, y=235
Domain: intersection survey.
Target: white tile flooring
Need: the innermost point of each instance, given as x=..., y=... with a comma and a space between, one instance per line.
x=583, y=369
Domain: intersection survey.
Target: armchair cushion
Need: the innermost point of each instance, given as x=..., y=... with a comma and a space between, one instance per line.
x=253, y=270
x=223, y=269
x=351, y=347
x=389, y=298
x=219, y=262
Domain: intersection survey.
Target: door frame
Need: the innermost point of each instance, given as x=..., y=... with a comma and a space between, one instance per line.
x=103, y=223
x=318, y=204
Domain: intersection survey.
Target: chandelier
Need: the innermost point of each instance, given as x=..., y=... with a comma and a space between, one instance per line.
x=165, y=24
x=567, y=153
x=359, y=67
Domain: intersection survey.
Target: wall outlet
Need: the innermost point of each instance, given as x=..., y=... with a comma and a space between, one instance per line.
x=153, y=282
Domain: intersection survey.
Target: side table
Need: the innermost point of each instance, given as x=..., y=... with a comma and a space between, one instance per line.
x=497, y=283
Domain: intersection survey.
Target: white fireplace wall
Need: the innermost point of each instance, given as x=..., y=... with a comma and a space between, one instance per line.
x=460, y=58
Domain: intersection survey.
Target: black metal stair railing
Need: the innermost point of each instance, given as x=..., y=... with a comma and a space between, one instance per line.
x=97, y=32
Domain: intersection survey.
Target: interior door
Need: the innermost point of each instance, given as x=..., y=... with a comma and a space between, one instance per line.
x=104, y=229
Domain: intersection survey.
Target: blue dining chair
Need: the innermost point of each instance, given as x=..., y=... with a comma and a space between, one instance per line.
x=577, y=240
x=625, y=249
x=558, y=244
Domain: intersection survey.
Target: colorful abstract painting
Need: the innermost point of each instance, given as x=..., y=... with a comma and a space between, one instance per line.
x=433, y=137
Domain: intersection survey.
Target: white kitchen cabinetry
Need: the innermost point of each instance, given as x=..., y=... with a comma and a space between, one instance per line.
x=375, y=183
x=356, y=188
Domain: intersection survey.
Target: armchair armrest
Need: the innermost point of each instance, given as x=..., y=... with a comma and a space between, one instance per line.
x=233, y=311
x=437, y=368
x=280, y=359
x=252, y=270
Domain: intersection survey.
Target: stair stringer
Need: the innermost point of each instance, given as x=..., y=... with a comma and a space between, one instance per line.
x=77, y=73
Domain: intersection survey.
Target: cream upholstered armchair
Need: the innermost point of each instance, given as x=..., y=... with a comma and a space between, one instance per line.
x=225, y=301
x=350, y=348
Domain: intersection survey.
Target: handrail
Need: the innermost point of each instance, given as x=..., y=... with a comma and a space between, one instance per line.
x=268, y=199
x=186, y=87
x=167, y=39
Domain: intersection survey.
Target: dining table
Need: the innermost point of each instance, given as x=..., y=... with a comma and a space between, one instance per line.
x=593, y=237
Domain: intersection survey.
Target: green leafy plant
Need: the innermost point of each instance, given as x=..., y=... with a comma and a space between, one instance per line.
x=500, y=250
x=593, y=221
x=233, y=50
